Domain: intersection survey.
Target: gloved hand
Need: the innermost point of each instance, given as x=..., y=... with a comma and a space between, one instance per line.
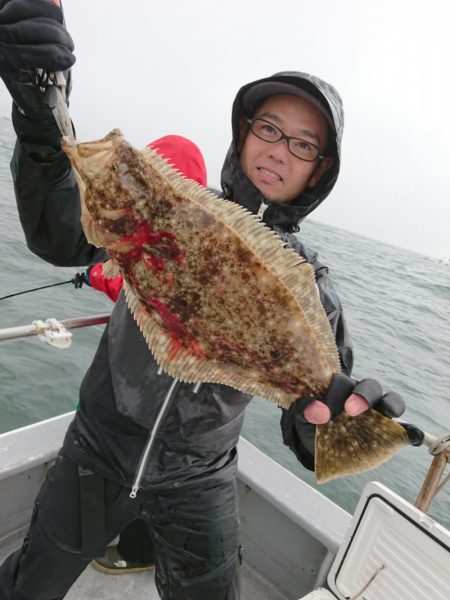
x=299, y=433
x=82, y=278
x=33, y=42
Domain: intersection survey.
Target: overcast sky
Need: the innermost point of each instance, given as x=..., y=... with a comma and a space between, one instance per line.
x=153, y=68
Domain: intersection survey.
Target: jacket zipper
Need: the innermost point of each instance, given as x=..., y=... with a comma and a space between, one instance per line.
x=151, y=440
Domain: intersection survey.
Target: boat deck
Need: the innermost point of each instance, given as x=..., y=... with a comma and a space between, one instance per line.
x=93, y=585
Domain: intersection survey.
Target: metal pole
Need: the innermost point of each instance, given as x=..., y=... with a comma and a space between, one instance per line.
x=440, y=449
x=432, y=480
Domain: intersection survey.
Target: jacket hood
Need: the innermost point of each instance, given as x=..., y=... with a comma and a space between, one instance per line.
x=236, y=186
x=183, y=154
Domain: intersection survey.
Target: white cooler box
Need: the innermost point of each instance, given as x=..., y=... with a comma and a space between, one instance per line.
x=391, y=551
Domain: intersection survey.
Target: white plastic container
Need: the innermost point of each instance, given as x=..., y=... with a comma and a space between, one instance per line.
x=391, y=551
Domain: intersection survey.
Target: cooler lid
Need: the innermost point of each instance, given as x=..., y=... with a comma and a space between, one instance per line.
x=391, y=551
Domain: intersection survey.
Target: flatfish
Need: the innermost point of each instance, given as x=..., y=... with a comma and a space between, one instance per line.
x=216, y=294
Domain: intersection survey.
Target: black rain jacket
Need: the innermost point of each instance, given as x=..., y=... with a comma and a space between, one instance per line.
x=122, y=392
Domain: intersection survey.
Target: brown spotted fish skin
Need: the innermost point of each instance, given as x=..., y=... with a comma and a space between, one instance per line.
x=350, y=445
x=216, y=295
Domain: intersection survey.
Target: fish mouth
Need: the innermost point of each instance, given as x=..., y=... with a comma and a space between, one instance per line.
x=270, y=175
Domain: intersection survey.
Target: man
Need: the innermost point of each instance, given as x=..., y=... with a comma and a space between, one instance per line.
x=143, y=445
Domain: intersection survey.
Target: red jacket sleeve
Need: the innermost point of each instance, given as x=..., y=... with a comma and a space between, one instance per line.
x=111, y=287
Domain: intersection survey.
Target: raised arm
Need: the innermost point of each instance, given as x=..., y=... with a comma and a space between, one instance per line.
x=33, y=42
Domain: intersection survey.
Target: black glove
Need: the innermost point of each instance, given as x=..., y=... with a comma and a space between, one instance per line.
x=299, y=434
x=32, y=37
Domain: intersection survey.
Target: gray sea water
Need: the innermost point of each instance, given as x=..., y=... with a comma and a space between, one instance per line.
x=396, y=303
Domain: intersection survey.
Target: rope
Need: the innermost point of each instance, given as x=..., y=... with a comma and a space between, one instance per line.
x=43, y=287
x=441, y=444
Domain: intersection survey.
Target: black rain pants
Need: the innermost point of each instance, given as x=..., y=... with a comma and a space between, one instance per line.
x=135, y=543
x=194, y=532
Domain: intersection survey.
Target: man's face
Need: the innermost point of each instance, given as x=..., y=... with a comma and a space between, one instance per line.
x=278, y=174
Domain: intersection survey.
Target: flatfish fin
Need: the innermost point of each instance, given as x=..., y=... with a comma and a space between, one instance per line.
x=349, y=445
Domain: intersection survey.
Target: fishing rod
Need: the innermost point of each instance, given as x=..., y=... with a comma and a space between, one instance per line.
x=78, y=280
x=74, y=280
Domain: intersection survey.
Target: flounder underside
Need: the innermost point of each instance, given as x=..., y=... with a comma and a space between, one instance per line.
x=215, y=293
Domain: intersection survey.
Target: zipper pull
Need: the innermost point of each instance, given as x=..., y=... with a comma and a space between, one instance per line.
x=134, y=491
x=262, y=209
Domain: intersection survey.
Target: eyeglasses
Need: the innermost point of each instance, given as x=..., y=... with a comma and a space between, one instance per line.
x=268, y=132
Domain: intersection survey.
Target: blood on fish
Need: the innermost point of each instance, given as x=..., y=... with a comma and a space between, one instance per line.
x=235, y=352
x=153, y=262
x=151, y=246
x=177, y=331
x=144, y=235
